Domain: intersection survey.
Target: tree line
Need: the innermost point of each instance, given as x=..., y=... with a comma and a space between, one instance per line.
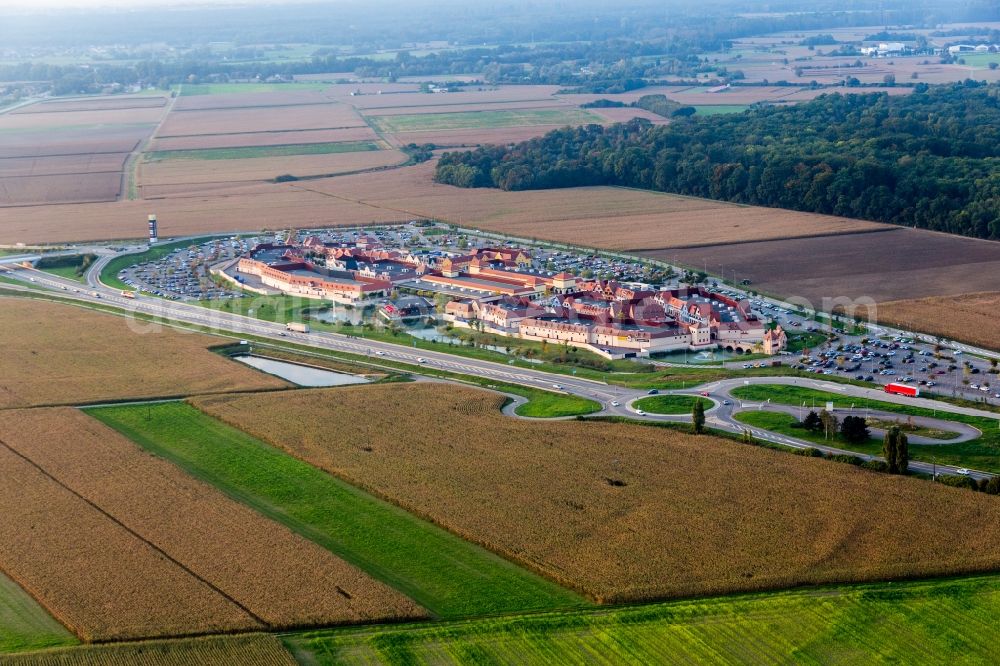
x=928, y=160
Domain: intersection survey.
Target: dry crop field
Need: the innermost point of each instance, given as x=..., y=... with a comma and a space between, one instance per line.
x=210, y=141
x=968, y=317
x=93, y=104
x=155, y=552
x=894, y=265
x=264, y=119
x=248, y=649
x=61, y=354
x=85, y=144
x=590, y=504
x=613, y=218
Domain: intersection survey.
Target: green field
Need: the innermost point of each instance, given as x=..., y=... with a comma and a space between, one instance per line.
x=70, y=267
x=428, y=122
x=249, y=152
x=982, y=453
x=24, y=625
x=716, y=109
x=979, y=59
x=925, y=622
x=238, y=88
x=669, y=404
x=447, y=575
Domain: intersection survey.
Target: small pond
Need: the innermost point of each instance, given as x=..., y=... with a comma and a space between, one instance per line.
x=301, y=374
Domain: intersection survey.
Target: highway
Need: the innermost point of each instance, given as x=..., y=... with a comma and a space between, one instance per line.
x=721, y=416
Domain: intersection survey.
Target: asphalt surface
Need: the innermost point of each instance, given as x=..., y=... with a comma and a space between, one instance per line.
x=615, y=400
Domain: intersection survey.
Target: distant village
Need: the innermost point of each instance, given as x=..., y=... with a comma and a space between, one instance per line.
x=507, y=291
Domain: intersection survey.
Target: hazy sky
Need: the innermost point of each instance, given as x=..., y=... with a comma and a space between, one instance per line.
x=29, y=4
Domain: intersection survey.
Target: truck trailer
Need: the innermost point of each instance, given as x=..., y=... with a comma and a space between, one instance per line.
x=297, y=327
x=902, y=389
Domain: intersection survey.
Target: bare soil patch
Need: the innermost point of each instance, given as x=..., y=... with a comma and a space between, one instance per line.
x=364, y=133
x=75, y=188
x=895, y=265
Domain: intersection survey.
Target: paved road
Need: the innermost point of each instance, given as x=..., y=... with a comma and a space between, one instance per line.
x=615, y=400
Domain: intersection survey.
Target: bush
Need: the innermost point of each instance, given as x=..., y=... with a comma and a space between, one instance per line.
x=957, y=481
x=846, y=458
x=875, y=466
x=810, y=453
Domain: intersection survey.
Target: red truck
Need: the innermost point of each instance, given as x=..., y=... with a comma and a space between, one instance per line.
x=902, y=389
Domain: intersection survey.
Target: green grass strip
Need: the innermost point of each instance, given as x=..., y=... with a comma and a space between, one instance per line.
x=449, y=576
x=25, y=625
x=251, y=152
x=982, y=453
x=943, y=621
x=669, y=404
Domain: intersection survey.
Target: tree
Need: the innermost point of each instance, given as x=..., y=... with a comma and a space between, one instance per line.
x=854, y=430
x=698, y=417
x=811, y=422
x=829, y=423
x=895, y=450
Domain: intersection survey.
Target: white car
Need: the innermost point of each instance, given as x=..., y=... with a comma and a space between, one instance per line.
x=963, y=471
x=640, y=412
x=421, y=359
x=380, y=353
x=557, y=387
x=615, y=403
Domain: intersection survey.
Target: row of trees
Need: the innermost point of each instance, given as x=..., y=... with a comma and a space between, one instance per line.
x=928, y=160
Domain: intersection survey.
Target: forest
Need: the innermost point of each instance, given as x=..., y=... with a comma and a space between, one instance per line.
x=927, y=160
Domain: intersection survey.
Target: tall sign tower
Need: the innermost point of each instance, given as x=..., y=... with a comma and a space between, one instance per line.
x=152, y=230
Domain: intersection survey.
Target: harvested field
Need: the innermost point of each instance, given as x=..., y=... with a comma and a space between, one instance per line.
x=250, y=152
x=242, y=121
x=174, y=172
x=74, y=188
x=250, y=100
x=96, y=104
x=237, y=207
x=250, y=650
x=612, y=218
x=71, y=142
x=896, y=265
x=77, y=120
x=971, y=318
x=61, y=165
x=429, y=122
x=256, y=573
x=264, y=139
x=589, y=504
x=60, y=354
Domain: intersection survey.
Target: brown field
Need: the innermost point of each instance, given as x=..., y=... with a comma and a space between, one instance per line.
x=240, y=121
x=465, y=107
x=264, y=139
x=625, y=512
x=61, y=165
x=71, y=142
x=234, y=207
x=80, y=119
x=613, y=218
x=97, y=104
x=971, y=318
x=250, y=100
x=60, y=354
x=75, y=188
x=221, y=554
x=181, y=172
x=896, y=265
x=249, y=650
